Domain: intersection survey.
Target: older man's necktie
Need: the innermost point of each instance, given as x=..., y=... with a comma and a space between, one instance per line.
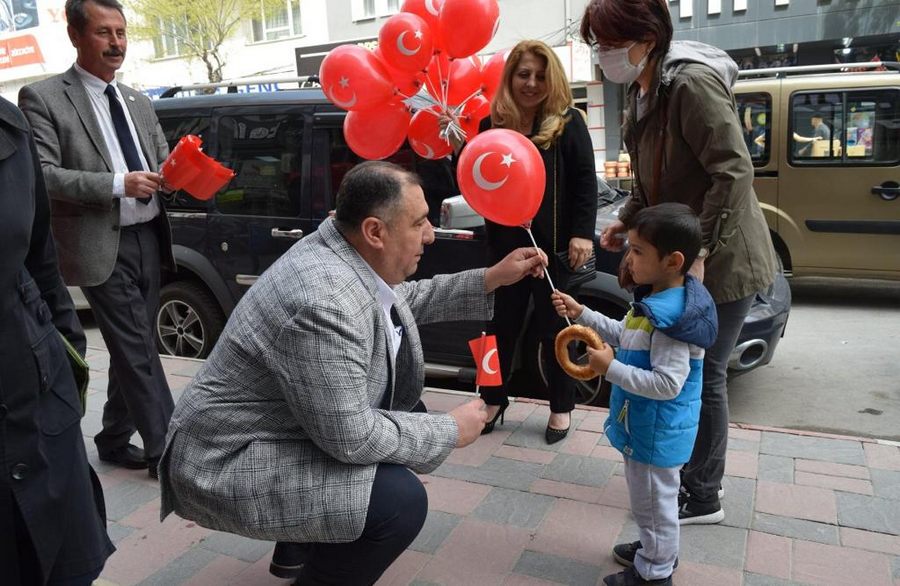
x=126, y=142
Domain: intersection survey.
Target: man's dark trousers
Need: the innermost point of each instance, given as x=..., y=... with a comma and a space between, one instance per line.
x=125, y=308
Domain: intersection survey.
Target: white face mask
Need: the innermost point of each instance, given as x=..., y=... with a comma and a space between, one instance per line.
x=617, y=66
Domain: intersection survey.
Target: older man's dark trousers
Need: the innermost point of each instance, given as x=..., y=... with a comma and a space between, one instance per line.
x=138, y=396
x=397, y=510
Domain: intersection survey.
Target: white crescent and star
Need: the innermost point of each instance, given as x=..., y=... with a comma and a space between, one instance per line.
x=486, y=361
x=429, y=6
x=347, y=104
x=403, y=48
x=429, y=152
x=483, y=183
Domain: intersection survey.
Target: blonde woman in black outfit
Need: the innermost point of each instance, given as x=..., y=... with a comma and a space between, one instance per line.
x=534, y=98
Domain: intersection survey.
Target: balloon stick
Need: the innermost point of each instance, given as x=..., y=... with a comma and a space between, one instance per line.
x=546, y=272
x=477, y=386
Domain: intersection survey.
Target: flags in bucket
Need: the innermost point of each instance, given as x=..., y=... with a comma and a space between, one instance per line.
x=487, y=361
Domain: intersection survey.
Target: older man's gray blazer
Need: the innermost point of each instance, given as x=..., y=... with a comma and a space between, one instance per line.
x=276, y=437
x=79, y=173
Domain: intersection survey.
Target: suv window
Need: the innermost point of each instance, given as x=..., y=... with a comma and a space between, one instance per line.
x=264, y=150
x=755, y=113
x=846, y=128
x=438, y=178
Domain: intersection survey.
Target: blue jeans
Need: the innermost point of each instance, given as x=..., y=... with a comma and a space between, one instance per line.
x=703, y=474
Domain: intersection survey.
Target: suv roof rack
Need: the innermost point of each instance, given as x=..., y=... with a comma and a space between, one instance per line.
x=832, y=67
x=232, y=85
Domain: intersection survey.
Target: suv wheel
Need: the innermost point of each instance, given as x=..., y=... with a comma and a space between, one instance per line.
x=188, y=322
x=594, y=392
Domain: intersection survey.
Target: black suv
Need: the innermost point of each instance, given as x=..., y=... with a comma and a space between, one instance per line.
x=289, y=153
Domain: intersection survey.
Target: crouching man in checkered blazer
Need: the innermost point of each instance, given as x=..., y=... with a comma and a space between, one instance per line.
x=305, y=423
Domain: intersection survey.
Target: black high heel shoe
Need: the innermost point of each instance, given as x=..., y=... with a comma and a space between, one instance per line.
x=553, y=435
x=489, y=426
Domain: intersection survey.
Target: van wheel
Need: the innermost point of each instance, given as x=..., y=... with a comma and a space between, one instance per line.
x=594, y=392
x=189, y=320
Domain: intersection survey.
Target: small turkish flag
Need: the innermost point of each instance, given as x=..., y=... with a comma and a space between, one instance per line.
x=484, y=350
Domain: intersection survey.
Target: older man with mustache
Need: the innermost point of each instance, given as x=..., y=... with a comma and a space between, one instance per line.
x=100, y=146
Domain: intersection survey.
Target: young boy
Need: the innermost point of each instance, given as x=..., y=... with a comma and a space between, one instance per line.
x=656, y=376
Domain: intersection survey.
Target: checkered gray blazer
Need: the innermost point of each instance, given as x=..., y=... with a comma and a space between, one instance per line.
x=276, y=437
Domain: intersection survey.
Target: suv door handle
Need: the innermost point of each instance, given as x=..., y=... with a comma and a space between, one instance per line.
x=295, y=234
x=888, y=191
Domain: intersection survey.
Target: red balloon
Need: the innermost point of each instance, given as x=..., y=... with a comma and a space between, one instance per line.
x=492, y=73
x=354, y=79
x=405, y=42
x=475, y=110
x=377, y=133
x=457, y=79
x=466, y=26
x=427, y=10
x=501, y=175
x=464, y=80
x=406, y=83
x=424, y=137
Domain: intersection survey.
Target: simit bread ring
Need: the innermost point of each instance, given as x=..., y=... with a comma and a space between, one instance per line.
x=569, y=334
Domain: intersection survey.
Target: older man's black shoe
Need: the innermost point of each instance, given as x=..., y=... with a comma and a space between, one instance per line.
x=128, y=456
x=288, y=559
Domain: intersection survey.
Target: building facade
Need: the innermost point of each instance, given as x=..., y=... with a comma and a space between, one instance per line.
x=293, y=40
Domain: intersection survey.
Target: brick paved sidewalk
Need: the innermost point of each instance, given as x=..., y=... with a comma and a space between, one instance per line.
x=800, y=509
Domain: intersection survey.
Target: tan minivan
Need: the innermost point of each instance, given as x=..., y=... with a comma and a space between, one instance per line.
x=825, y=145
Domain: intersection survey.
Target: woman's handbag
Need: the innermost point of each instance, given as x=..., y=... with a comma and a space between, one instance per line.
x=80, y=370
x=572, y=278
x=626, y=280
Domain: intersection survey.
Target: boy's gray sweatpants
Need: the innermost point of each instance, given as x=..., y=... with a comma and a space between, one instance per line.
x=654, y=504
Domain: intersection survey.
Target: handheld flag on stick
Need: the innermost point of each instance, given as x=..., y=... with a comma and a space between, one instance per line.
x=487, y=361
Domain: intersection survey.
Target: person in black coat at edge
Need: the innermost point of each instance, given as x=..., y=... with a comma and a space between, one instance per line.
x=534, y=98
x=52, y=517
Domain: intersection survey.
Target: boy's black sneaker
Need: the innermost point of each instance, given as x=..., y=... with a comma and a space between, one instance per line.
x=625, y=552
x=630, y=577
x=691, y=512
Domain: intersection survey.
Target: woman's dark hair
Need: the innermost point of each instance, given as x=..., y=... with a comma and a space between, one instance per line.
x=372, y=188
x=616, y=22
x=77, y=15
x=670, y=227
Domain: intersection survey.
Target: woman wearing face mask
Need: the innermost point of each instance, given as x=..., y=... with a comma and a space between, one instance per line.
x=686, y=145
x=534, y=98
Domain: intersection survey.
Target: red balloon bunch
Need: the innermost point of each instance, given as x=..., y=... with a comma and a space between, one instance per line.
x=426, y=57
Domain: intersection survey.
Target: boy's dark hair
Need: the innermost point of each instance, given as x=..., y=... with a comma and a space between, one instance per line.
x=670, y=227
x=76, y=15
x=372, y=188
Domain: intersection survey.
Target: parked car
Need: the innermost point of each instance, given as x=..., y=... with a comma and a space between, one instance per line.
x=289, y=153
x=832, y=204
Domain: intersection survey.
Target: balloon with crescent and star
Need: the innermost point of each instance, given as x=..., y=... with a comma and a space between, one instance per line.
x=502, y=176
x=406, y=42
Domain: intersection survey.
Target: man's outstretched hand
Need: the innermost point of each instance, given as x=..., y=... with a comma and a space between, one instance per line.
x=517, y=265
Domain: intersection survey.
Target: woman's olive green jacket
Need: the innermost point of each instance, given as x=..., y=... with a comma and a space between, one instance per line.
x=704, y=164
